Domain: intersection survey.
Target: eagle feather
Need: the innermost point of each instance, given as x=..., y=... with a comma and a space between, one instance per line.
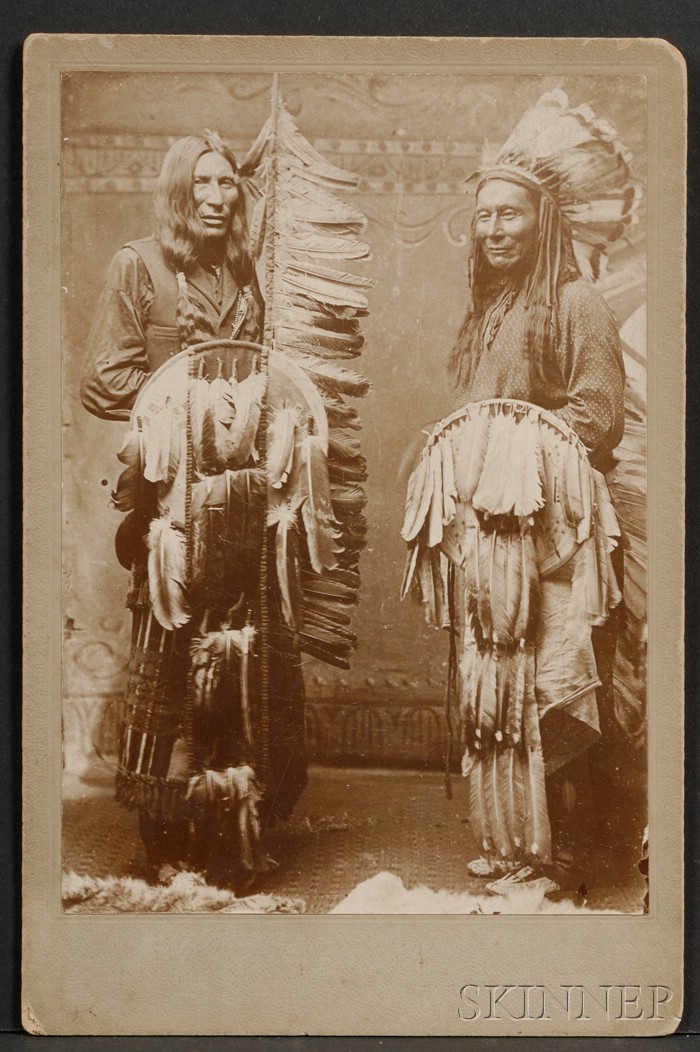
x=167, y=562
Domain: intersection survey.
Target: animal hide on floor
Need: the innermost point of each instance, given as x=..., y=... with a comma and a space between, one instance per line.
x=387, y=893
x=187, y=893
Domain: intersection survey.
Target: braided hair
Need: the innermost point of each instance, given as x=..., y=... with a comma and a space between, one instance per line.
x=183, y=240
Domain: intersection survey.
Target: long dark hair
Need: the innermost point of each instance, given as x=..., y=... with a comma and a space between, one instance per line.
x=179, y=231
x=554, y=265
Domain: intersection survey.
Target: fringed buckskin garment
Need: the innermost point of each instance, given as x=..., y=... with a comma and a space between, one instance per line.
x=138, y=326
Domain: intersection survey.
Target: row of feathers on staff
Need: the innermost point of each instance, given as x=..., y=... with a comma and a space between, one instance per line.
x=315, y=308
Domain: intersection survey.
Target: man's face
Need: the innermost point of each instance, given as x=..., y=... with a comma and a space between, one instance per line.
x=215, y=193
x=506, y=225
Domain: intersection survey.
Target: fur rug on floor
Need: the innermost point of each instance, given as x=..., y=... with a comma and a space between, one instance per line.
x=386, y=893
x=186, y=893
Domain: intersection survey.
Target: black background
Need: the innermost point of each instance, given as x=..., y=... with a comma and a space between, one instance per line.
x=677, y=21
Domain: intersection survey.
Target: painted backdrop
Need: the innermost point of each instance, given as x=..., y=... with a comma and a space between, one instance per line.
x=412, y=139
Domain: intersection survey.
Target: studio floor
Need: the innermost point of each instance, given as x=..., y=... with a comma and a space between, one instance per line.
x=349, y=825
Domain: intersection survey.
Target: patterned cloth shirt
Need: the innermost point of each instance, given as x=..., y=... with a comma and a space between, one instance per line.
x=584, y=387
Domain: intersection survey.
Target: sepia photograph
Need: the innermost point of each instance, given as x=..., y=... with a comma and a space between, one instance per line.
x=331, y=342
x=360, y=469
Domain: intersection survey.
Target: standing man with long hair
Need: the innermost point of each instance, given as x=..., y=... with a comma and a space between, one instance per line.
x=191, y=283
x=534, y=553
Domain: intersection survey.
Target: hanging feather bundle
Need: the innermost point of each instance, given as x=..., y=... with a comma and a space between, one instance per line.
x=216, y=654
x=313, y=310
x=532, y=494
x=229, y=422
x=161, y=445
x=288, y=562
x=167, y=574
x=199, y=396
x=247, y=402
x=418, y=498
x=281, y=444
x=231, y=796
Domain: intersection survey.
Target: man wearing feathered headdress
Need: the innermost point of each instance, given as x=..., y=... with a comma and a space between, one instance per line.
x=193, y=282
x=537, y=334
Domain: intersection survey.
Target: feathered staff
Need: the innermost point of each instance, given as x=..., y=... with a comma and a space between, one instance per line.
x=298, y=231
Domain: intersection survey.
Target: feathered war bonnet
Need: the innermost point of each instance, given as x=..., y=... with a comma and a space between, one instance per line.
x=578, y=168
x=578, y=162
